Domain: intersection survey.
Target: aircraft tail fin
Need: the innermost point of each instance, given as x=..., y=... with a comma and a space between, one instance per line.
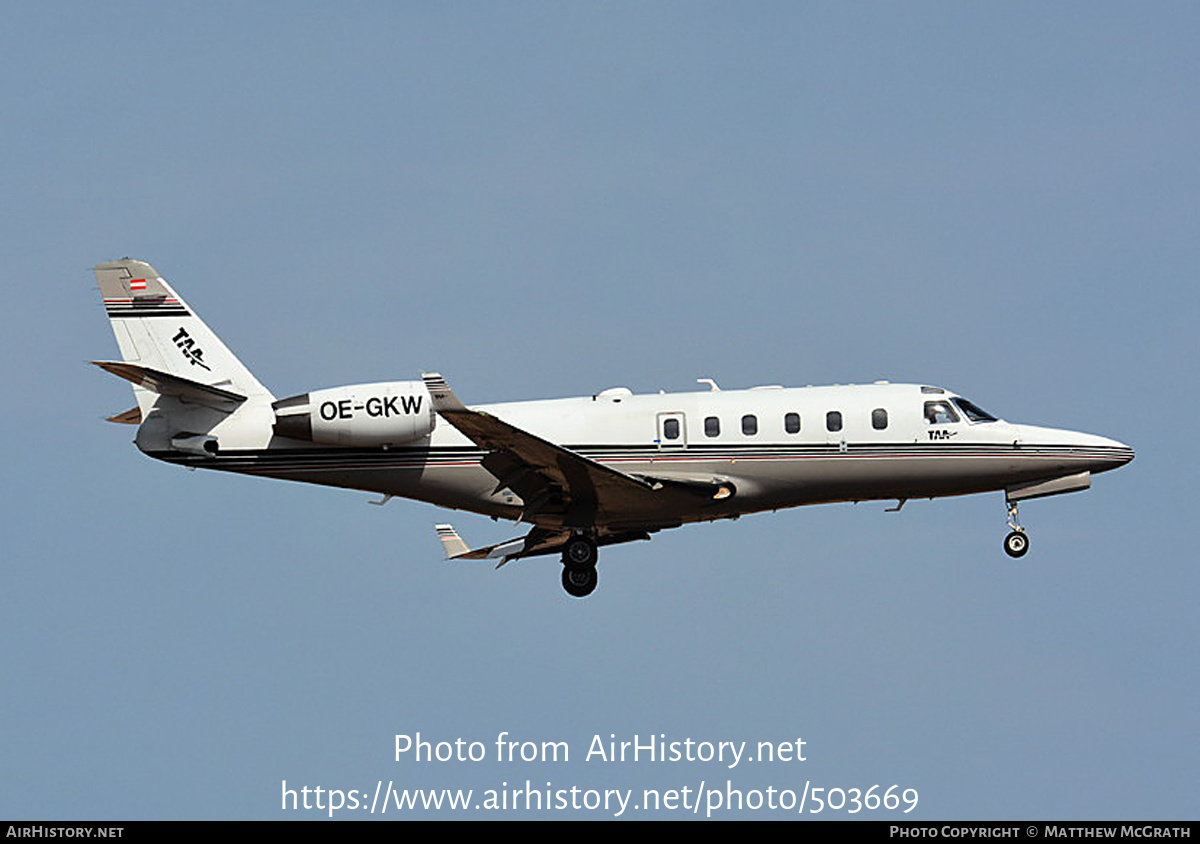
x=160, y=334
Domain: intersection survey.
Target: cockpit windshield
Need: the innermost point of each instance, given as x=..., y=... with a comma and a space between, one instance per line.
x=973, y=411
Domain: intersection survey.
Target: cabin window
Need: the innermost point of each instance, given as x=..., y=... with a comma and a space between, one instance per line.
x=671, y=429
x=879, y=419
x=749, y=424
x=712, y=427
x=833, y=420
x=791, y=423
x=939, y=413
x=973, y=411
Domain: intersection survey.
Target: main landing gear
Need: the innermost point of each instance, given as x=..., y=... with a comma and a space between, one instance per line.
x=579, y=575
x=1016, y=544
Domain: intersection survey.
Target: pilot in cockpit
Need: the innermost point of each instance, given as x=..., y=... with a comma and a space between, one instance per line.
x=939, y=413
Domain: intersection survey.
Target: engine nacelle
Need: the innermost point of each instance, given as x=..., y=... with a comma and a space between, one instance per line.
x=390, y=413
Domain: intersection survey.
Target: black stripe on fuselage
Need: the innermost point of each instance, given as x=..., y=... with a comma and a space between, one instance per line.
x=343, y=459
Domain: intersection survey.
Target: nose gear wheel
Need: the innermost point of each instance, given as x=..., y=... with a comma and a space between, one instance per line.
x=1016, y=544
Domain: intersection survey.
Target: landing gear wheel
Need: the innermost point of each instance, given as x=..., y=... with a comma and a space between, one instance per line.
x=579, y=553
x=1016, y=544
x=579, y=581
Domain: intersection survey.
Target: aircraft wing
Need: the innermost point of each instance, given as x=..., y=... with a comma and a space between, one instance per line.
x=553, y=479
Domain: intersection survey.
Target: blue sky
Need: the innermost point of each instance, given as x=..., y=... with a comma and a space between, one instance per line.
x=541, y=200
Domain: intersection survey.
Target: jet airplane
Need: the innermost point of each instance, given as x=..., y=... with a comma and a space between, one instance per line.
x=582, y=472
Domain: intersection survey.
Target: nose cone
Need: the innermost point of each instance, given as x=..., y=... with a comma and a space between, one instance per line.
x=1099, y=453
x=1111, y=454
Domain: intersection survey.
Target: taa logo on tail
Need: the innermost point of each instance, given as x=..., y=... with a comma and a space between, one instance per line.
x=191, y=351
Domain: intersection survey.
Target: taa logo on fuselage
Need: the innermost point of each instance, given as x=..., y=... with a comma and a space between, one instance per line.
x=941, y=435
x=191, y=351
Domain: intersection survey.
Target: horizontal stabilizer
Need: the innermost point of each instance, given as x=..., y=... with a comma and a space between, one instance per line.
x=133, y=416
x=166, y=384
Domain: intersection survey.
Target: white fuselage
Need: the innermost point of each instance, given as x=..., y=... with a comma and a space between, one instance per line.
x=775, y=447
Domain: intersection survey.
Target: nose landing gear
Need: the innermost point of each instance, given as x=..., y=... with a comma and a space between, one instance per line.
x=1016, y=544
